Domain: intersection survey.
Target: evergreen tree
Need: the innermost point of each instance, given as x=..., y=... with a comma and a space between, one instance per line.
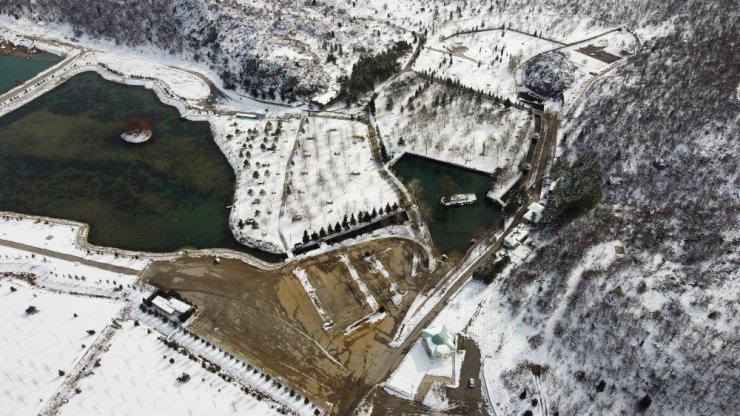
x=306, y=239
x=389, y=104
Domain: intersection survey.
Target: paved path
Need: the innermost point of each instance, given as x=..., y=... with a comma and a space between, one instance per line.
x=69, y=257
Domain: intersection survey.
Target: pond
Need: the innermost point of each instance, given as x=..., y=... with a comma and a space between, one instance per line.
x=17, y=69
x=452, y=228
x=62, y=156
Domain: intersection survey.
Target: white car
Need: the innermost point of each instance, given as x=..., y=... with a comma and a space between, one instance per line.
x=471, y=383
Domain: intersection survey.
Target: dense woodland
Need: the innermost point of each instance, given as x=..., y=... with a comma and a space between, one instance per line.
x=371, y=69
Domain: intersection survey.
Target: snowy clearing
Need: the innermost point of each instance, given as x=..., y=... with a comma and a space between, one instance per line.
x=60, y=236
x=485, y=61
x=39, y=348
x=136, y=375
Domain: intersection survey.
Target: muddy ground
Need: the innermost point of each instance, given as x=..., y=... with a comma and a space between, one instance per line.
x=267, y=318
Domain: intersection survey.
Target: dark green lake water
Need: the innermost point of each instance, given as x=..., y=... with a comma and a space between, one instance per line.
x=452, y=228
x=61, y=156
x=14, y=70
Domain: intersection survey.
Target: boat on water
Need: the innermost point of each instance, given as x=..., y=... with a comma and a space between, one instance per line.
x=458, y=199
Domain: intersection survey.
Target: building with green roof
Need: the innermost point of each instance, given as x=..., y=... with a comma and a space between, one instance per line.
x=439, y=342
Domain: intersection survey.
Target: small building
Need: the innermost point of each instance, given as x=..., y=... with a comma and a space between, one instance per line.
x=519, y=235
x=439, y=342
x=534, y=212
x=171, y=307
x=163, y=305
x=180, y=306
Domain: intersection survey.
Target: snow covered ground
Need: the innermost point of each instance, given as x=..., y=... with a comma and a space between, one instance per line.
x=183, y=83
x=38, y=349
x=68, y=276
x=50, y=250
x=139, y=373
x=255, y=380
x=485, y=61
x=331, y=176
x=60, y=236
x=459, y=130
x=259, y=151
x=408, y=376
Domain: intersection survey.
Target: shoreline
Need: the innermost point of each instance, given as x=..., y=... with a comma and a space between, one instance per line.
x=8, y=48
x=75, y=61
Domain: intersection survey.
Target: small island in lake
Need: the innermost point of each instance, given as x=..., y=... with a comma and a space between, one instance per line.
x=136, y=130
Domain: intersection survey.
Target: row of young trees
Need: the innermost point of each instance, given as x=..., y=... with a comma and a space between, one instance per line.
x=459, y=87
x=348, y=223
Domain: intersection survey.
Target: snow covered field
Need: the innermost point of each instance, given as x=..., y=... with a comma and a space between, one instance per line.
x=139, y=373
x=331, y=173
x=485, y=61
x=70, y=276
x=184, y=84
x=38, y=349
x=258, y=150
x=332, y=176
x=459, y=130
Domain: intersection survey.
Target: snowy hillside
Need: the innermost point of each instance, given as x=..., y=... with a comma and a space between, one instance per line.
x=274, y=50
x=582, y=328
